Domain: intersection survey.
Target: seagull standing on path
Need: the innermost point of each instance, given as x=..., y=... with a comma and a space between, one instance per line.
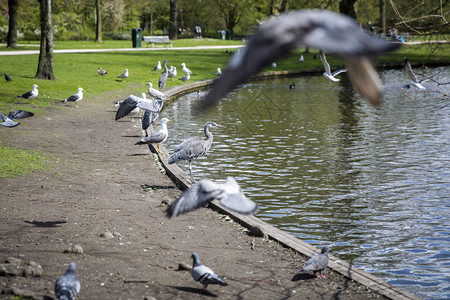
x=101, y=71
x=31, y=94
x=185, y=69
x=75, y=97
x=68, y=286
x=163, y=78
x=318, y=29
x=158, y=66
x=203, y=274
x=124, y=75
x=327, y=68
x=7, y=78
x=229, y=194
x=157, y=137
x=317, y=263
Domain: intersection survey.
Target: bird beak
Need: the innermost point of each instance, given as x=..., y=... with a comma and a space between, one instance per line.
x=220, y=126
x=170, y=121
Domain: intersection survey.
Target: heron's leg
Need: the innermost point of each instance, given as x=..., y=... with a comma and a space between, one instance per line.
x=190, y=172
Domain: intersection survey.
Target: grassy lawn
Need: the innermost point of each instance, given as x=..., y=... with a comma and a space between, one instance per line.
x=73, y=70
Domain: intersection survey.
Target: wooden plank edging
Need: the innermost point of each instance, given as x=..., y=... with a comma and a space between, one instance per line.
x=183, y=181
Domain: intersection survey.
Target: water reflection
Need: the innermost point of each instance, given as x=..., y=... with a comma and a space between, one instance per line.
x=330, y=169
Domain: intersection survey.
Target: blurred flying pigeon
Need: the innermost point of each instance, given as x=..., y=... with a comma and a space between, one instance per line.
x=124, y=74
x=19, y=114
x=7, y=122
x=317, y=263
x=7, y=78
x=229, y=194
x=203, y=274
x=67, y=286
x=101, y=71
x=31, y=94
x=75, y=97
x=319, y=29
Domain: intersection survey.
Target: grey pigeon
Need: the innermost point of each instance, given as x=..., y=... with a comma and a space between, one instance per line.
x=7, y=78
x=320, y=29
x=19, y=114
x=229, y=194
x=317, y=263
x=68, y=286
x=7, y=122
x=203, y=274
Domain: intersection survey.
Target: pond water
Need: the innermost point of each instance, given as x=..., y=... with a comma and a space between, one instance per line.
x=325, y=166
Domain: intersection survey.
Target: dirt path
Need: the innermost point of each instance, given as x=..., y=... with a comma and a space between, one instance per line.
x=93, y=186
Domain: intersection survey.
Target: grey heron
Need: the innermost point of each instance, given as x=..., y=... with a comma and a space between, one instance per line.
x=67, y=286
x=327, y=68
x=317, y=263
x=416, y=82
x=158, y=136
x=101, y=71
x=319, y=29
x=163, y=78
x=31, y=94
x=75, y=97
x=193, y=147
x=124, y=75
x=203, y=274
x=228, y=193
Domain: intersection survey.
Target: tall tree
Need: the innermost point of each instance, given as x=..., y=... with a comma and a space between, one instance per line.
x=232, y=12
x=45, y=66
x=13, y=8
x=98, y=20
x=383, y=16
x=347, y=7
x=173, y=11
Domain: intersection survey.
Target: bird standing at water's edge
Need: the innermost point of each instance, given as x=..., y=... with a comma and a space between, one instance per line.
x=317, y=263
x=193, y=147
x=157, y=137
x=319, y=29
x=163, y=78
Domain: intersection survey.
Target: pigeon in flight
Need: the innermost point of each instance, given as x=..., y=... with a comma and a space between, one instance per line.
x=317, y=263
x=8, y=121
x=229, y=194
x=203, y=274
x=68, y=286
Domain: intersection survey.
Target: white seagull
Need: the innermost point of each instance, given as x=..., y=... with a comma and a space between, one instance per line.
x=416, y=82
x=301, y=59
x=328, y=73
x=203, y=274
x=68, y=286
x=173, y=71
x=228, y=193
x=185, y=77
x=219, y=72
x=31, y=94
x=158, y=66
x=318, y=29
x=154, y=92
x=75, y=97
x=186, y=69
x=124, y=74
x=132, y=102
x=157, y=137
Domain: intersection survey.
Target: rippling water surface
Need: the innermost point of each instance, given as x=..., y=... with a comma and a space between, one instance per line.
x=332, y=170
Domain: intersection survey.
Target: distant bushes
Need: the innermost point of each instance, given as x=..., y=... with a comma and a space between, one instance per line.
x=117, y=35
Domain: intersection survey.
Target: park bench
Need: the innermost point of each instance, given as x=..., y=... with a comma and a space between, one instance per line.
x=161, y=39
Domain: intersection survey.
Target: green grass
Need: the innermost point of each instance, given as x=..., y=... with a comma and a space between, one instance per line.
x=73, y=70
x=16, y=162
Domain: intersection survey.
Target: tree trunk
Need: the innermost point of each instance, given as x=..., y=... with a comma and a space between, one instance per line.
x=13, y=8
x=45, y=66
x=98, y=21
x=347, y=7
x=383, y=16
x=173, y=19
x=284, y=6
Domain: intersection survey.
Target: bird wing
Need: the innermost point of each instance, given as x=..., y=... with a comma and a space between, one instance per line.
x=205, y=275
x=162, y=80
x=19, y=114
x=155, y=138
x=193, y=198
x=410, y=71
x=7, y=122
x=26, y=95
x=234, y=199
x=73, y=97
x=323, y=59
x=146, y=120
x=278, y=36
x=189, y=149
x=126, y=106
x=338, y=72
